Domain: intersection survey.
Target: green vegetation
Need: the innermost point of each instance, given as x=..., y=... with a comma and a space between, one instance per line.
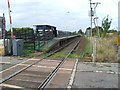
x=88, y=52
x=44, y=54
x=80, y=32
x=60, y=55
x=16, y=29
x=76, y=55
x=106, y=50
x=64, y=54
x=102, y=30
x=106, y=25
x=28, y=49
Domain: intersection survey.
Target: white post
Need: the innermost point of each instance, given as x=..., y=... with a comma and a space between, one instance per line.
x=12, y=36
x=94, y=50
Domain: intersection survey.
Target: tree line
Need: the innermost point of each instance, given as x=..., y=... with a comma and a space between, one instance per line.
x=101, y=30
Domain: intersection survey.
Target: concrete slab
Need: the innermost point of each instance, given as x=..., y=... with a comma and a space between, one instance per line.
x=99, y=67
x=6, y=61
x=99, y=75
x=95, y=80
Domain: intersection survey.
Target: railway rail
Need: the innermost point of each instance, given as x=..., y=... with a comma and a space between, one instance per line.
x=36, y=75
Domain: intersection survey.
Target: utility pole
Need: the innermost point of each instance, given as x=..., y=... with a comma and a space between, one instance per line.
x=91, y=15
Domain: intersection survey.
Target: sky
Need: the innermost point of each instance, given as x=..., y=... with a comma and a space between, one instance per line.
x=66, y=15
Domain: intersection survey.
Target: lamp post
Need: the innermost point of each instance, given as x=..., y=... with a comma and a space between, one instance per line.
x=96, y=25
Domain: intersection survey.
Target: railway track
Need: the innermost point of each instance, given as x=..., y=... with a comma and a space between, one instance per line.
x=37, y=75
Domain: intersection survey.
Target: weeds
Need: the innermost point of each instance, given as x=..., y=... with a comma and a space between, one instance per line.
x=88, y=52
x=106, y=50
x=59, y=55
x=28, y=49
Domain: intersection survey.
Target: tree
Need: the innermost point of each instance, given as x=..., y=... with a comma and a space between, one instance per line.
x=17, y=29
x=98, y=30
x=75, y=32
x=112, y=31
x=106, y=23
x=80, y=31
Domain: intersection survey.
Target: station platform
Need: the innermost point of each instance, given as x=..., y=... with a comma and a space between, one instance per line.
x=67, y=37
x=54, y=43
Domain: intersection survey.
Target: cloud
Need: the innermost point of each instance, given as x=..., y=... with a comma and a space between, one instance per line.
x=64, y=14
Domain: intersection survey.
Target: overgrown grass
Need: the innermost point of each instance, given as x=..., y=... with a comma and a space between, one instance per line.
x=76, y=55
x=106, y=50
x=64, y=54
x=44, y=54
x=59, y=55
x=88, y=51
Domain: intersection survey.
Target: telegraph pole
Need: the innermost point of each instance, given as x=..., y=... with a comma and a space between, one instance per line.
x=91, y=15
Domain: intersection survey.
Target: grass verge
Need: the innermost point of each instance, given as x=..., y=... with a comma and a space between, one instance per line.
x=105, y=50
x=88, y=52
